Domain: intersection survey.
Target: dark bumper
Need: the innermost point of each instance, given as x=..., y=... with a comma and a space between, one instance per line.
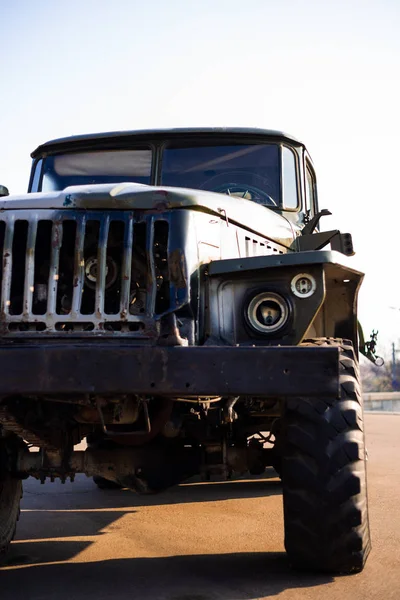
x=103, y=368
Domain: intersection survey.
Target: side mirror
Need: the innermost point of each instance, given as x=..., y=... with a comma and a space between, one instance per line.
x=4, y=191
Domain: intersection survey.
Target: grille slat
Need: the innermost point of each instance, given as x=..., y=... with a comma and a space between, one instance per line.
x=56, y=242
x=126, y=274
x=102, y=266
x=7, y=268
x=30, y=268
x=79, y=268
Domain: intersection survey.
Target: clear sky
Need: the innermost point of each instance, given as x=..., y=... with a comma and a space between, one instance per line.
x=327, y=72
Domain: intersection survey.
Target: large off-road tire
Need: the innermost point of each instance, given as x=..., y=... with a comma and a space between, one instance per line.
x=324, y=475
x=10, y=497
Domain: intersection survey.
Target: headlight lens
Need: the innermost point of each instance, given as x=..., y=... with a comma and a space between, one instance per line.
x=267, y=312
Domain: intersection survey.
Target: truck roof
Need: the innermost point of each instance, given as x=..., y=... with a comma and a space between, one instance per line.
x=123, y=138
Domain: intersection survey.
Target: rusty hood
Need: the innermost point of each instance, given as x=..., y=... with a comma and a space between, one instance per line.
x=135, y=196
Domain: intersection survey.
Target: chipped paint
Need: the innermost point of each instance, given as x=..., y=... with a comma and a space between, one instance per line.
x=69, y=201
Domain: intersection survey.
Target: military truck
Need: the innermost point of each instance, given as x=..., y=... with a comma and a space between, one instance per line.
x=168, y=295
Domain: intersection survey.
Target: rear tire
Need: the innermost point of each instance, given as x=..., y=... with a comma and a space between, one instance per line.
x=324, y=475
x=10, y=496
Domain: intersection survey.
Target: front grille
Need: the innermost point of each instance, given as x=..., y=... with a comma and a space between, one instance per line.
x=82, y=273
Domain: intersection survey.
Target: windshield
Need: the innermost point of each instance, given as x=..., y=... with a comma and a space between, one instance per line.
x=106, y=166
x=250, y=171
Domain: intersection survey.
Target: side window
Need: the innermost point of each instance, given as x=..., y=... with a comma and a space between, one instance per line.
x=289, y=179
x=310, y=190
x=36, y=177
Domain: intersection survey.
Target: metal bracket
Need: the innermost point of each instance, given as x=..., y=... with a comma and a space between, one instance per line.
x=114, y=433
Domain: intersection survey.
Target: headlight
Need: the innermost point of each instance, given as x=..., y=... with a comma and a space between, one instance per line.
x=267, y=312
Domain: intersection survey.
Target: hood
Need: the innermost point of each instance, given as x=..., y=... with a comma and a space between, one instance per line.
x=135, y=196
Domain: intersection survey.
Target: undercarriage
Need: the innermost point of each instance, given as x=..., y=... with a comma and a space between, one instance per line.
x=147, y=441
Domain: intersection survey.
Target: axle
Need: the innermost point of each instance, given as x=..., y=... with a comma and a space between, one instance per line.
x=145, y=469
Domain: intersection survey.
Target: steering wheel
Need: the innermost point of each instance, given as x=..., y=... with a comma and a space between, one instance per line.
x=235, y=184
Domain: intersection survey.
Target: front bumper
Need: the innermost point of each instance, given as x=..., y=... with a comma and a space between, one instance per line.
x=107, y=368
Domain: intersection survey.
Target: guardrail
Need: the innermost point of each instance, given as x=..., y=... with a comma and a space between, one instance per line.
x=382, y=401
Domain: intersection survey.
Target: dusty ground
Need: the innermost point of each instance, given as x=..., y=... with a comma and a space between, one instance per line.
x=195, y=542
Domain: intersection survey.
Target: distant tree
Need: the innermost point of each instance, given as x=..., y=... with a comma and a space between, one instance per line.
x=378, y=379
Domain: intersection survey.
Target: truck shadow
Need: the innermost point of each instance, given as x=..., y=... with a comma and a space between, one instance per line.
x=239, y=576
x=57, y=527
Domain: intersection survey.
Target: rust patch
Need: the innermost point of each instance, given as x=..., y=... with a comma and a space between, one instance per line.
x=55, y=240
x=161, y=206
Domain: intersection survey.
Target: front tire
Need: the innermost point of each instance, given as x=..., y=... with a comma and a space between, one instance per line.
x=324, y=476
